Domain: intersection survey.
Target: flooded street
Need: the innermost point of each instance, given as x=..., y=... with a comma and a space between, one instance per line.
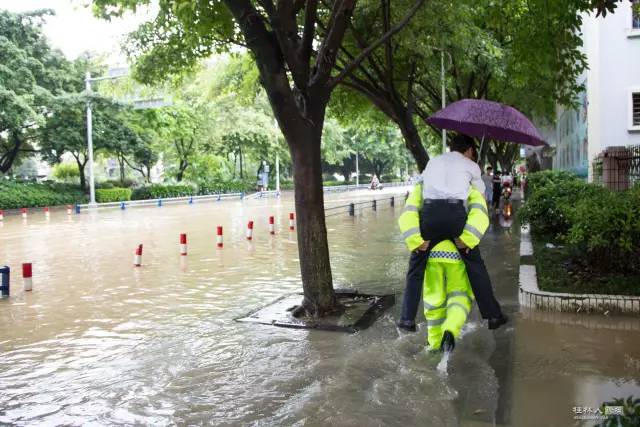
x=99, y=342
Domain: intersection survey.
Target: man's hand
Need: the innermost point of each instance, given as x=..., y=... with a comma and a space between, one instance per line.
x=423, y=247
x=461, y=245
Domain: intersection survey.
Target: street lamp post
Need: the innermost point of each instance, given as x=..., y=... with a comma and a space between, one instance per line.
x=92, y=184
x=113, y=74
x=357, y=171
x=444, y=99
x=277, y=173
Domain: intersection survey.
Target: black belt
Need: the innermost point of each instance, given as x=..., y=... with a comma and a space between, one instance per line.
x=442, y=201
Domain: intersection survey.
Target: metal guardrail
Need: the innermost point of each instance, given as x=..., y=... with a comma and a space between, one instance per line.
x=351, y=207
x=161, y=201
x=219, y=197
x=362, y=186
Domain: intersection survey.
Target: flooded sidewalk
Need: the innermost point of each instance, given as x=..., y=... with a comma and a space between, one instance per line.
x=101, y=342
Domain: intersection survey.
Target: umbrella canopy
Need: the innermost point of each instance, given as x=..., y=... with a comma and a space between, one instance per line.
x=487, y=119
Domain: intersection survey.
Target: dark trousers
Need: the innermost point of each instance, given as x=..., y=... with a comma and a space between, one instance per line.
x=445, y=221
x=497, y=193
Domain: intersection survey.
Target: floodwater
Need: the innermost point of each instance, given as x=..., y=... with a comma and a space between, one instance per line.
x=99, y=342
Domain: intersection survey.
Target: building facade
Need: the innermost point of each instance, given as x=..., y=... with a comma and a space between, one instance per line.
x=609, y=107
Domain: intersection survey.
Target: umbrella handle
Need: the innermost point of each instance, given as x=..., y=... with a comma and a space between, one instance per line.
x=480, y=151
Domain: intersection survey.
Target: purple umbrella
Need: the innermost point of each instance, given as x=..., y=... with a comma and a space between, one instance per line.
x=487, y=119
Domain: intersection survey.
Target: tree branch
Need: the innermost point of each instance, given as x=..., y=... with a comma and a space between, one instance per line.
x=310, y=18
x=366, y=52
x=327, y=54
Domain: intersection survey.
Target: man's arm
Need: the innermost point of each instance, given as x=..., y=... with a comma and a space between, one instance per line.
x=476, y=176
x=409, y=220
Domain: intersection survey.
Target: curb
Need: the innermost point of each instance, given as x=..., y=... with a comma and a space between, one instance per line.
x=530, y=295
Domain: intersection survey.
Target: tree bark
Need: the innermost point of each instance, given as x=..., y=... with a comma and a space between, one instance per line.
x=411, y=137
x=317, y=284
x=6, y=161
x=121, y=162
x=83, y=179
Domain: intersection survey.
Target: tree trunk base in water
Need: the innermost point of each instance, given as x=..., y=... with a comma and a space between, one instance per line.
x=352, y=312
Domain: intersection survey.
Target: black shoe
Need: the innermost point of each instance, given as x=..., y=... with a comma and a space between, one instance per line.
x=496, y=322
x=448, y=342
x=407, y=325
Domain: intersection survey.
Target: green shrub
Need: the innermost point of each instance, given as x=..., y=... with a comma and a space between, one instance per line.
x=605, y=228
x=234, y=186
x=66, y=171
x=539, y=180
x=159, y=191
x=113, y=183
x=105, y=184
x=105, y=195
x=15, y=195
x=550, y=207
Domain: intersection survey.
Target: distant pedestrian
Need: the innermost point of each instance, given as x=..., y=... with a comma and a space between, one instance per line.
x=487, y=178
x=497, y=190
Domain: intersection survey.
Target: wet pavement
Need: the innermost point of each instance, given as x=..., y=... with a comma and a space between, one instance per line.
x=99, y=342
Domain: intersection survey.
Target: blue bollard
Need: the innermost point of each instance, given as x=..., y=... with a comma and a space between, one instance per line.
x=191, y=200
x=77, y=209
x=159, y=202
x=122, y=206
x=4, y=283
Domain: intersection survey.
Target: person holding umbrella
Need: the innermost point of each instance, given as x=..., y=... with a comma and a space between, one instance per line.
x=448, y=182
x=446, y=187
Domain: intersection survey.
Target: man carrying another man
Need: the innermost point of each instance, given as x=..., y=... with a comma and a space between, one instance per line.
x=447, y=184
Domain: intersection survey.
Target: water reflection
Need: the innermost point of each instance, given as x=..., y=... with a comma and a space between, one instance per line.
x=101, y=342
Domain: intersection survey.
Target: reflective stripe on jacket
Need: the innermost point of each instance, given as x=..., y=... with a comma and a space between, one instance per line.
x=477, y=219
x=409, y=220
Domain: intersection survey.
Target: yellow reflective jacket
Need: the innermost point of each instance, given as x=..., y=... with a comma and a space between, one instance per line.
x=476, y=226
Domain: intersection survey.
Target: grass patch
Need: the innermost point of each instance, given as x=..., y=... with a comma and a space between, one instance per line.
x=559, y=269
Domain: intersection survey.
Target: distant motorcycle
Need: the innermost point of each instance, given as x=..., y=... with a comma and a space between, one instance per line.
x=506, y=192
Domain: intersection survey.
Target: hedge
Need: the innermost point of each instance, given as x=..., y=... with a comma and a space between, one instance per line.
x=159, y=191
x=106, y=195
x=599, y=227
x=15, y=195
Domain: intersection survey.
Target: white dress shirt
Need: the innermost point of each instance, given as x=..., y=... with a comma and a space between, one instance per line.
x=450, y=176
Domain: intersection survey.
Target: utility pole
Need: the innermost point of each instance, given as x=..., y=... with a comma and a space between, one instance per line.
x=277, y=173
x=92, y=183
x=357, y=171
x=444, y=99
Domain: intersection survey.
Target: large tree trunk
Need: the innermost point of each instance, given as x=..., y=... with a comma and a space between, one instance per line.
x=313, y=248
x=181, y=168
x=7, y=159
x=412, y=139
x=83, y=179
x=121, y=161
x=347, y=168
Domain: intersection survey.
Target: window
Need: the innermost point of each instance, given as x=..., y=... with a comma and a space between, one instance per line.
x=635, y=110
x=635, y=15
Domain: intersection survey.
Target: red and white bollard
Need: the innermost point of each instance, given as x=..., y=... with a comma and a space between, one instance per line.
x=69, y=210
x=272, y=225
x=183, y=244
x=292, y=221
x=250, y=230
x=1, y=215
x=219, y=237
x=47, y=214
x=27, y=274
x=137, y=258
x=24, y=213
